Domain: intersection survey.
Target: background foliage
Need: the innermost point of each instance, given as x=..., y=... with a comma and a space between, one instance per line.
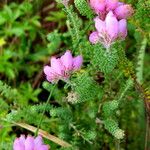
x=101, y=107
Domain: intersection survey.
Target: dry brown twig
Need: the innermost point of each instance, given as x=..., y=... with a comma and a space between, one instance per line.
x=44, y=134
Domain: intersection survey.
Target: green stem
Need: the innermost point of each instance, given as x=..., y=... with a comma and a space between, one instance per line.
x=146, y=133
x=79, y=133
x=47, y=102
x=117, y=144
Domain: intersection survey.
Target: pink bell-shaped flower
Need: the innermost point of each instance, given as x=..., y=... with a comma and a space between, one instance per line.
x=29, y=143
x=124, y=11
x=61, y=68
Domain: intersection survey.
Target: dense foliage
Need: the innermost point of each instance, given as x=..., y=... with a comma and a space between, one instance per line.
x=104, y=105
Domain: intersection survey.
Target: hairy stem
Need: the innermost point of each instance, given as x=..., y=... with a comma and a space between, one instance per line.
x=140, y=63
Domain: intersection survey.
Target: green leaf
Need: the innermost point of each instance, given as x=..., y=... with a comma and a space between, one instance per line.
x=105, y=60
x=84, y=8
x=2, y=19
x=112, y=127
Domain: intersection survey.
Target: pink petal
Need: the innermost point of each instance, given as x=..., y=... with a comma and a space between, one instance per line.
x=44, y=147
x=49, y=71
x=22, y=139
x=100, y=25
x=50, y=74
x=29, y=143
x=98, y=5
x=39, y=144
x=67, y=60
x=123, y=28
x=111, y=4
x=112, y=25
x=119, y=4
x=18, y=145
x=94, y=38
x=38, y=141
x=50, y=79
x=57, y=65
x=77, y=62
x=124, y=11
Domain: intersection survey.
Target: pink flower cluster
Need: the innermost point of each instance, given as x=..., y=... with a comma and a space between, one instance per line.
x=111, y=21
x=29, y=143
x=61, y=68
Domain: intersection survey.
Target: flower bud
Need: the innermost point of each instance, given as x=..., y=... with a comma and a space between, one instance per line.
x=97, y=5
x=77, y=62
x=123, y=28
x=123, y=11
x=111, y=4
x=94, y=38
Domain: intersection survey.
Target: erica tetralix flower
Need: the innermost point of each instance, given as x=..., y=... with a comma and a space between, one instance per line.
x=109, y=30
x=29, y=143
x=61, y=68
